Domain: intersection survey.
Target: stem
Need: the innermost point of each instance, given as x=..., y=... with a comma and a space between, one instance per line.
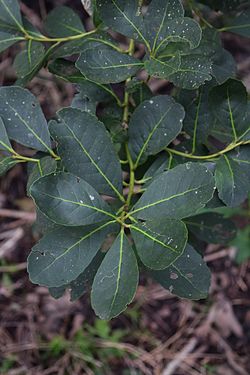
x=125, y=120
x=230, y=147
x=60, y=40
x=132, y=178
x=25, y=159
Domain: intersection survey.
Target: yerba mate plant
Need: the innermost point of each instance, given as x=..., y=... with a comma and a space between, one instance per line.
x=124, y=180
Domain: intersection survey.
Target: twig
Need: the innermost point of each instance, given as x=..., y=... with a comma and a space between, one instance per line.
x=27, y=216
x=173, y=365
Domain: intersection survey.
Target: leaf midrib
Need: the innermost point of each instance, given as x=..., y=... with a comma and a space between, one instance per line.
x=30, y=129
x=80, y=204
x=11, y=15
x=119, y=271
x=74, y=245
x=93, y=162
x=150, y=136
x=166, y=199
x=153, y=238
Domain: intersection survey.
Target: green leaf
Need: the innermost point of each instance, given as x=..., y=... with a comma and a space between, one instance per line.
x=79, y=286
x=63, y=22
x=6, y=163
x=43, y=224
x=153, y=126
x=187, y=71
x=23, y=118
x=7, y=40
x=212, y=228
x=198, y=120
x=116, y=280
x=138, y=91
x=62, y=255
x=5, y=144
x=177, y=193
x=92, y=158
x=10, y=15
x=189, y=277
x=104, y=64
x=68, y=200
x=232, y=176
x=44, y=167
x=194, y=71
x=242, y=243
x=161, y=164
x=224, y=67
x=178, y=30
x=57, y=292
x=228, y=104
x=159, y=244
x=90, y=94
x=29, y=61
x=123, y=16
x=66, y=70
x=240, y=24
x=163, y=67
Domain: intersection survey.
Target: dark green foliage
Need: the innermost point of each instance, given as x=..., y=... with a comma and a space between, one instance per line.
x=126, y=178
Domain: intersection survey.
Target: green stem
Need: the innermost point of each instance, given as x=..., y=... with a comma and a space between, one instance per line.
x=60, y=40
x=25, y=158
x=230, y=147
x=125, y=120
x=131, y=179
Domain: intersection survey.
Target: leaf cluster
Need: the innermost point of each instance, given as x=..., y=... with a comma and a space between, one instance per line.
x=132, y=181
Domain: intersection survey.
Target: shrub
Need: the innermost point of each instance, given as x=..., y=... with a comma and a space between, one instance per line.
x=124, y=179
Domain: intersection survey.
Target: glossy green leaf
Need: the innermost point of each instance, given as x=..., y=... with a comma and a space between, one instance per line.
x=116, y=280
x=177, y=193
x=232, y=176
x=103, y=64
x=178, y=30
x=7, y=40
x=66, y=70
x=228, y=104
x=23, y=118
x=224, y=67
x=44, y=167
x=163, y=67
x=62, y=255
x=161, y=164
x=68, y=200
x=84, y=281
x=5, y=144
x=198, y=119
x=29, y=61
x=188, y=71
x=240, y=24
x=123, y=16
x=81, y=284
x=193, y=72
x=10, y=16
x=63, y=22
x=189, y=277
x=6, y=163
x=153, y=126
x=159, y=244
x=93, y=159
x=90, y=94
x=212, y=228
x=74, y=47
